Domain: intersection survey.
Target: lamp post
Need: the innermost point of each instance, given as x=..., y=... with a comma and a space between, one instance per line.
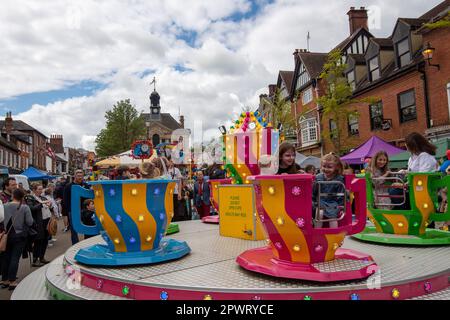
x=427, y=53
x=223, y=130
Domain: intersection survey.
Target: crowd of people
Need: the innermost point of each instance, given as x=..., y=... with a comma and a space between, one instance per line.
x=26, y=215
x=26, y=219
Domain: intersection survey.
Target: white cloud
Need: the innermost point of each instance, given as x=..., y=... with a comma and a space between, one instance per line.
x=47, y=45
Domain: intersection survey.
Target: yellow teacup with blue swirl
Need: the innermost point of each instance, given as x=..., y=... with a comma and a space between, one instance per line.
x=134, y=214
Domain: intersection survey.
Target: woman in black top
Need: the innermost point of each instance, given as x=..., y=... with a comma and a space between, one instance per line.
x=287, y=160
x=38, y=203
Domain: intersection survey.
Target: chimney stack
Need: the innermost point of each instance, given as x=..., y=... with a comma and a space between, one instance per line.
x=272, y=89
x=9, y=122
x=56, y=142
x=357, y=18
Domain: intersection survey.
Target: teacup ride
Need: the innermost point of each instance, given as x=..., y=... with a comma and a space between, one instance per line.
x=132, y=217
x=296, y=248
x=397, y=226
x=214, y=187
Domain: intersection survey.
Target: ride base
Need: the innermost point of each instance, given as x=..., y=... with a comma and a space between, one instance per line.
x=173, y=228
x=211, y=219
x=432, y=237
x=210, y=271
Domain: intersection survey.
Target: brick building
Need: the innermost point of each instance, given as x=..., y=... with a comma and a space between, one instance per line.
x=37, y=148
x=20, y=153
x=61, y=157
x=411, y=94
x=160, y=126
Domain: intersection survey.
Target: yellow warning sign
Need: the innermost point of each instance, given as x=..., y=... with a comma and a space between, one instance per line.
x=237, y=211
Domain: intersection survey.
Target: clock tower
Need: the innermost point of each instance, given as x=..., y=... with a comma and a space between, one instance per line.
x=160, y=126
x=155, y=108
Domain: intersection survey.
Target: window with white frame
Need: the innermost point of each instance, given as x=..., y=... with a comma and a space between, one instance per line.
x=353, y=125
x=307, y=96
x=309, y=131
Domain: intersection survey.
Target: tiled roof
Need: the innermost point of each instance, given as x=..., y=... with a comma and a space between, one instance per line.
x=287, y=76
x=435, y=14
x=415, y=23
x=58, y=158
x=166, y=120
x=359, y=58
x=383, y=43
x=444, y=5
x=314, y=62
x=21, y=126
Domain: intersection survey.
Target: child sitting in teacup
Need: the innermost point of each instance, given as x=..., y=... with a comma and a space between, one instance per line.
x=149, y=171
x=162, y=164
x=330, y=204
x=88, y=214
x=268, y=165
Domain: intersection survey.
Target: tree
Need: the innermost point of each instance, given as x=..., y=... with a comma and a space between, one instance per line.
x=337, y=101
x=123, y=126
x=280, y=112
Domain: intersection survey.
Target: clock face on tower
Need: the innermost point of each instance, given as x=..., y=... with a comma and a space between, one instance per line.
x=154, y=110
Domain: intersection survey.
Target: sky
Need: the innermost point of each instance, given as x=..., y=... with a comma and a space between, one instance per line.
x=63, y=64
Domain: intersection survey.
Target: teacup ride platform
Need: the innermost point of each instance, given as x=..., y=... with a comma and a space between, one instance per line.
x=395, y=226
x=211, y=272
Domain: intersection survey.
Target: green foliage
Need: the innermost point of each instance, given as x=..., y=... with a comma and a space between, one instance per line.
x=443, y=23
x=123, y=126
x=280, y=112
x=337, y=101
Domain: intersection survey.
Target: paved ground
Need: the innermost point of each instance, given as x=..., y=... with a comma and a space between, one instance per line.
x=58, y=248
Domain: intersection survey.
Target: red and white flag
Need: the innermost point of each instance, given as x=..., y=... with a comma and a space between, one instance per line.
x=51, y=153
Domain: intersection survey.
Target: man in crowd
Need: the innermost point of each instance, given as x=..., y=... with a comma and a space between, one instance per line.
x=9, y=185
x=67, y=201
x=202, y=196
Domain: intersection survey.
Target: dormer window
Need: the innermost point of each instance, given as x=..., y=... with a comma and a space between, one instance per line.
x=374, y=69
x=403, y=53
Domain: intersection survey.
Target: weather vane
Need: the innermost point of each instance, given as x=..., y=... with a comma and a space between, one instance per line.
x=153, y=83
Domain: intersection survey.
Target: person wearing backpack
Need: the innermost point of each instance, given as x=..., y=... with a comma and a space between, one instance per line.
x=17, y=219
